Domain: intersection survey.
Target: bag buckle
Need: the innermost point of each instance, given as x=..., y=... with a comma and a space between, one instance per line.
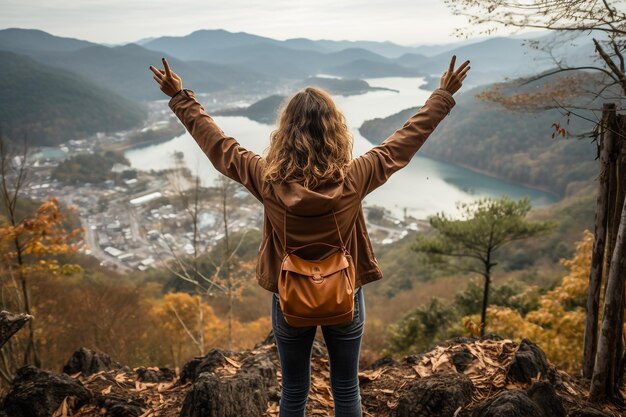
x=317, y=275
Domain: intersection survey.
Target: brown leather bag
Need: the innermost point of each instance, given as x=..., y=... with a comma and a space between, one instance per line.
x=316, y=292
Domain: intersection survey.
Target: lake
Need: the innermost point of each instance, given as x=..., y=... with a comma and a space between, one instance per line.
x=425, y=186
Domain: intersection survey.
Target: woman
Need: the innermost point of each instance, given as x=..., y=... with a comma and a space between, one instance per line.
x=308, y=171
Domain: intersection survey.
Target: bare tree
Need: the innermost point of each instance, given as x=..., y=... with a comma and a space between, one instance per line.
x=190, y=194
x=14, y=174
x=605, y=18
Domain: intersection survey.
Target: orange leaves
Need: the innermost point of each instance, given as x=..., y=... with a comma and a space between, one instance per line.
x=32, y=243
x=527, y=98
x=558, y=130
x=558, y=324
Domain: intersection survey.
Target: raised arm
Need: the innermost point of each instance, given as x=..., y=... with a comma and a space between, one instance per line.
x=372, y=169
x=224, y=152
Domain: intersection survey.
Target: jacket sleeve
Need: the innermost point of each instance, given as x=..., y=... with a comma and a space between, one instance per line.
x=224, y=152
x=372, y=169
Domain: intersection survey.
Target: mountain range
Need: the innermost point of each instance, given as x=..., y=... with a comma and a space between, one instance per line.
x=212, y=60
x=238, y=63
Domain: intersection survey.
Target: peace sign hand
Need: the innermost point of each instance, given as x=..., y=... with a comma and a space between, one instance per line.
x=169, y=82
x=451, y=80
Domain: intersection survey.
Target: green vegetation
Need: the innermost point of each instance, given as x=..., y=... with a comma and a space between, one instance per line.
x=438, y=319
x=470, y=243
x=50, y=106
x=157, y=135
x=515, y=146
x=88, y=168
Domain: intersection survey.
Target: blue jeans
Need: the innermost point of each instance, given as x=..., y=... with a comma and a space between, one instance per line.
x=343, y=342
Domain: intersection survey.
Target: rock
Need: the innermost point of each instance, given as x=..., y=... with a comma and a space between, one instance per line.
x=462, y=359
x=384, y=361
x=510, y=404
x=155, y=374
x=319, y=349
x=544, y=395
x=528, y=362
x=117, y=406
x=242, y=395
x=438, y=395
x=411, y=359
x=88, y=362
x=269, y=339
x=38, y=393
x=587, y=412
x=207, y=363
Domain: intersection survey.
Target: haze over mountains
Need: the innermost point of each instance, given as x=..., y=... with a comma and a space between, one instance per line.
x=218, y=60
x=211, y=60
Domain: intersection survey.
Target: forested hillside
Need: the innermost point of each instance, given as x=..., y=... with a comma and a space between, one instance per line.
x=516, y=146
x=50, y=105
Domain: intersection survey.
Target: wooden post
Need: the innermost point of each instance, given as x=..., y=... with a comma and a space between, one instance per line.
x=597, y=256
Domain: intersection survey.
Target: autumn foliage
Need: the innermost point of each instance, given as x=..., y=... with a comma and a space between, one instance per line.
x=558, y=323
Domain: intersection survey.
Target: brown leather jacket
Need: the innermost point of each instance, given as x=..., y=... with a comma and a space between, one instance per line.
x=308, y=212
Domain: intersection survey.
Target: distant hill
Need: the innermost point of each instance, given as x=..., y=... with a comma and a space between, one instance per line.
x=50, y=105
x=296, y=58
x=363, y=68
x=124, y=69
x=30, y=40
x=515, y=146
x=493, y=58
x=218, y=60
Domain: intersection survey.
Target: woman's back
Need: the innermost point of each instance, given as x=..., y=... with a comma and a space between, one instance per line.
x=308, y=174
x=309, y=210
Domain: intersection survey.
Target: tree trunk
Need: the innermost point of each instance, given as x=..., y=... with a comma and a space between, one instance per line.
x=599, y=243
x=483, y=314
x=621, y=184
x=602, y=381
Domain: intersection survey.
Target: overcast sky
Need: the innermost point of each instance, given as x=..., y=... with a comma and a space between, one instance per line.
x=406, y=22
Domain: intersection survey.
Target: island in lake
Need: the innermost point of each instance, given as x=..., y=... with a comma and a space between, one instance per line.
x=266, y=110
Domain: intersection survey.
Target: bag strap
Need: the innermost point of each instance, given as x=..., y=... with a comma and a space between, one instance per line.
x=308, y=244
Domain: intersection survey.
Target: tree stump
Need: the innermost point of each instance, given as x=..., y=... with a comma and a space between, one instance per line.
x=118, y=406
x=259, y=366
x=510, y=404
x=10, y=323
x=207, y=363
x=242, y=395
x=528, y=362
x=543, y=394
x=438, y=395
x=89, y=362
x=587, y=412
x=38, y=393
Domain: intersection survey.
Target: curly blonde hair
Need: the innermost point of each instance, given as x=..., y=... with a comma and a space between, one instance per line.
x=311, y=144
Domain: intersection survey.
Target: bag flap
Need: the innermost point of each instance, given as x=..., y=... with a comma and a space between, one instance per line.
x=324, y=267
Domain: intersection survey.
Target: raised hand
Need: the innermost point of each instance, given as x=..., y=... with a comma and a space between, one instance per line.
x=169, y=82
x=452, y=80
